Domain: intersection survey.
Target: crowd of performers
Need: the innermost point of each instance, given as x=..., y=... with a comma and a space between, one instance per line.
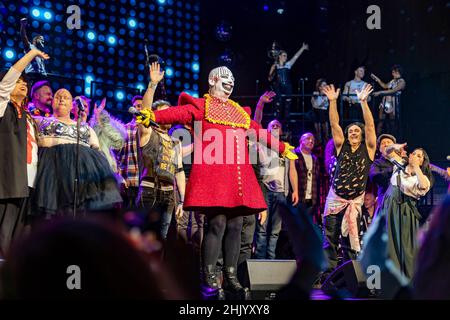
x=209, y=170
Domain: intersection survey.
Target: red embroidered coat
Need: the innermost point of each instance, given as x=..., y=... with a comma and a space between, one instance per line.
x=222, y=176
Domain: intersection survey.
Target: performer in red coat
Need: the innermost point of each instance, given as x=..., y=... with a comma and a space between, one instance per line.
x=222, y=184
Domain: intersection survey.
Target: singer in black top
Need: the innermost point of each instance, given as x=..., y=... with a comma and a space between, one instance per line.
x=381, y=170
x=55, y=177
x=280, y=77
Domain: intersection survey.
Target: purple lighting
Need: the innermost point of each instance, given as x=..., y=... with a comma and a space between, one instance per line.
x=266, y=7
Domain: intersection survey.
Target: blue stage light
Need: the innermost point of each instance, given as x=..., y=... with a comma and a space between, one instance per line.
x=9, y=54
x=169, y=72
x=112, y=40
x=36, y=13
x=161, y=1
x=88, y=79
x=132, y=23
x=48, y=15
x=87, y=91
x=90, y=35
x=140, y=86
x=120, y=95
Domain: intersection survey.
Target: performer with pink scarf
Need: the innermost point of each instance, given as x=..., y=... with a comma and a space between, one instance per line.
x=355, y=153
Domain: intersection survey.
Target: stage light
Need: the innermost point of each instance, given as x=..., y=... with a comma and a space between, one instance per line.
x=112, y=40
x=161, y=1
x=48, y=15
x=36, y=13
x=169, y=72
x=280, y=11
x=140, y=86
x=132, y=23
x=266, y=7
x=9, y=54
x=87, y=91
x=120, y=95
x=88, y=79
x=90, y=35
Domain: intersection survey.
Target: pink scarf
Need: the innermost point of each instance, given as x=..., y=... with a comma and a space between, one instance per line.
x=349, y=227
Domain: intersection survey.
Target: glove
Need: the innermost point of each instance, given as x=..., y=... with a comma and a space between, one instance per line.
x=287, y=153
x=145, y=117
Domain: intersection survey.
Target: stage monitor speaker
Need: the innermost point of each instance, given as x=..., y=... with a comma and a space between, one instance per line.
x=349, y=276
x=266, y=277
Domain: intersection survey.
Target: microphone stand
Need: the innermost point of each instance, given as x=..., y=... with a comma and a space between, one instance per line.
x=77, y=171
x=400, y=202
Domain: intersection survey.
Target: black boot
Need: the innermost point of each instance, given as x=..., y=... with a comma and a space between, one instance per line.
x=211, y=289
x=232, y=286
x=219, y=278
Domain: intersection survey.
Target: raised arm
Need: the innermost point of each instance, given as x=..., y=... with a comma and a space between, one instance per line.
x=298, y=54
x=156, y=75
x=369, y=124
x=9, y=81
x=336, y=130
x=27, y=58
x=109, y=130
x=267, y=97
x=270, y=142
x=23, y=33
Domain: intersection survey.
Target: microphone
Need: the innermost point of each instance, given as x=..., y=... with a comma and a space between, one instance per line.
x=400, y=166
x=136, y=112
x=80, y=104
x=147, y=56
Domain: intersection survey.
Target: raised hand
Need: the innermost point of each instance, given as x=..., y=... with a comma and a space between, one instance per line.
x=23, y=22
x=267, y=97
x=331, y=93
x=156, y=75
x=98, y=109
x=39, y=53
x=414, y=160
x=364, y=93
x=305, y=46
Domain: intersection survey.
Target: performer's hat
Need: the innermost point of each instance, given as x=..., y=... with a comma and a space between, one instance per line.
x=386, y=136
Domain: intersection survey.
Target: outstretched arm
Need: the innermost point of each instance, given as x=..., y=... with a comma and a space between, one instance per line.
x=399, y=87
x=265, y=98
x=378, y=80
x=369, y=124
x=336, y=130
x=298, y=54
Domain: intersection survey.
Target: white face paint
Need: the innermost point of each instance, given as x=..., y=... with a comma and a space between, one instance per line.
x=221, y=82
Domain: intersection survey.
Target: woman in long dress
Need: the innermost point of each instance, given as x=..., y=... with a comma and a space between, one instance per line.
x=400, y=212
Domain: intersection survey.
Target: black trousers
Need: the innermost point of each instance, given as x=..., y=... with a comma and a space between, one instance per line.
x=245, y=253
x=129, y=196
x=332, y=238
x=14, y=214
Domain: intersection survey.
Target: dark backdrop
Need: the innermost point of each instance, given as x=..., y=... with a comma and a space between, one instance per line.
x=414, y=34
